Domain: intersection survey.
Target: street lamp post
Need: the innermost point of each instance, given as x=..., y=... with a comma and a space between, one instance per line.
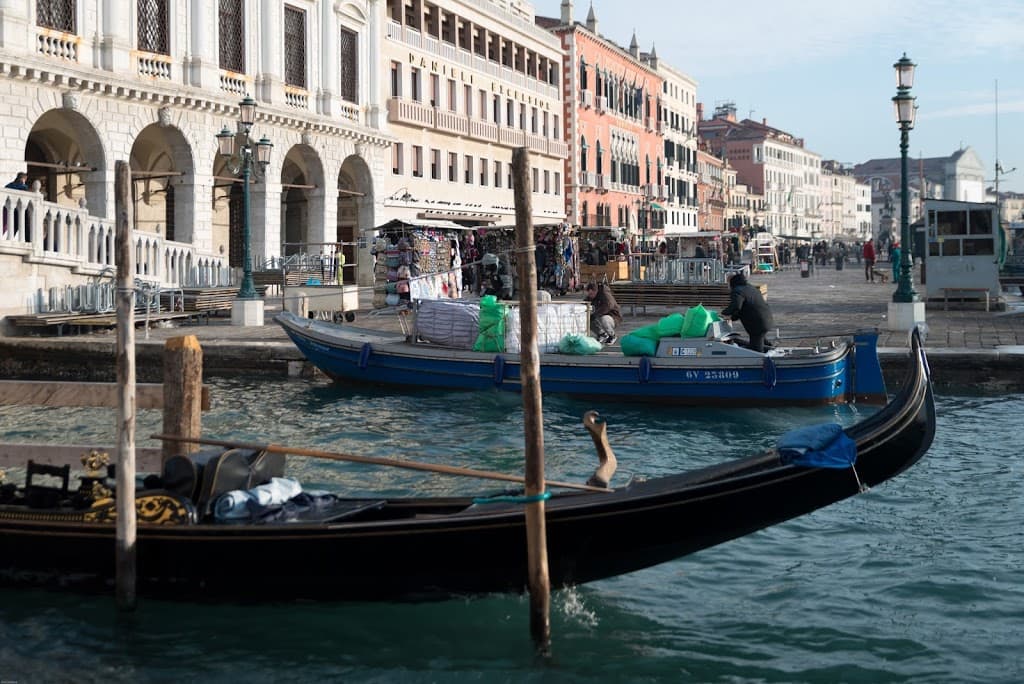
x=905, y=111
x=248, y=158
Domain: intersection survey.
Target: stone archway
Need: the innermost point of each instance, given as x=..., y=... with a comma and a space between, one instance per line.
x=163, y=186
x=302, y=201
x=356, y=217
x=64, y=153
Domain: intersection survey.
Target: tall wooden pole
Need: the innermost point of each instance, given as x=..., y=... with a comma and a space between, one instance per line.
x=125, y=545
x=533, y=410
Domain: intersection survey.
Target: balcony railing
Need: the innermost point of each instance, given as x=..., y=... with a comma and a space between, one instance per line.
x=409, y=112
x=155, y=66
x=451, y=122
x=48, y=233
x=58, y=44
x=445, y=50
x=424, y=116
x=512, y=137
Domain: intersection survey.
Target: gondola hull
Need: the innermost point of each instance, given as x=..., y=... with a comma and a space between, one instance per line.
x=691, y=371
x=416, y=549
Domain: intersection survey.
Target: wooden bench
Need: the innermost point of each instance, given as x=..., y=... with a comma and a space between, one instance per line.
x=947, y=291
x=642, y=295
x=1006, y=281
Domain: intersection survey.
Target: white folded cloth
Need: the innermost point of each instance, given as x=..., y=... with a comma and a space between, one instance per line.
x=237, y=504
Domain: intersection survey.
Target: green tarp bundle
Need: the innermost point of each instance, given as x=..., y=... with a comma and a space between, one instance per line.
x=492, y=325
x=644, y=341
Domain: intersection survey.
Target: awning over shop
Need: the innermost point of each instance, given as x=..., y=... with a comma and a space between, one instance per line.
x=396, y=224
x=457, y=216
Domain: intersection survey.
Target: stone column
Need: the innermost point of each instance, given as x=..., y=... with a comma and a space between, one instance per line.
x=328, y=104
x=265, y=219
x=270, y=74
x=370, y=50
x=194, y=197
x=203, y=64
x=322, y=216
x=115, y=49
x=16, y=34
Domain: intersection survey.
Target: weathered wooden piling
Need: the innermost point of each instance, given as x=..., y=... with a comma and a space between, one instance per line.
x=183, y=393
x=126, y=520
x=533, y=410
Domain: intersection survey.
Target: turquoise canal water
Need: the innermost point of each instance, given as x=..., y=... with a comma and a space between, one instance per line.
x=918, y=580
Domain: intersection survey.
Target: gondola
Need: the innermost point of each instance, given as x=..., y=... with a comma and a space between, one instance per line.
x=687, y=371
x=384, y=548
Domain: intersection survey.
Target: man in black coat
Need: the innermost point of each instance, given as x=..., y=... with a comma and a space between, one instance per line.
x=748, y=306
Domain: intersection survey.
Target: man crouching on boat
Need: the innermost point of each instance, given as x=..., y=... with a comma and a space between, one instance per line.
x=748, y=306
x=604, y=312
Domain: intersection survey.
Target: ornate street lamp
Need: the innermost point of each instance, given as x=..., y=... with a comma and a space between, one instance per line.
x=249, y=158
x=905, y=111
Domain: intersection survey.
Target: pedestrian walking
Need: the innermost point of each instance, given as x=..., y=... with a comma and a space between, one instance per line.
x=868, y=253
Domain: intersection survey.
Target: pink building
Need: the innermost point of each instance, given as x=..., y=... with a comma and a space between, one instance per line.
x=615, y=168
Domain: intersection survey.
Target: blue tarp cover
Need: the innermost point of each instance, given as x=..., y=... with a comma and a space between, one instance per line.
x=818, y=446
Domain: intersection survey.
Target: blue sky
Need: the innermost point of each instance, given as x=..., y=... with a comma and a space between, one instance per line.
x=823, y=70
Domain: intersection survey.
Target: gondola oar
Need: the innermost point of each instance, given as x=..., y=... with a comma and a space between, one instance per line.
x=373, y=460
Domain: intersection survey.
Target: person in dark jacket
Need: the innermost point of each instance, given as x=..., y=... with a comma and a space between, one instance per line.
x=604, y=312
x=748, y=306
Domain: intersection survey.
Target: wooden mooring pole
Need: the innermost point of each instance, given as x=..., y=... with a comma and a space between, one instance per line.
x=533, y=410
x=125, y=545
x=183, y=394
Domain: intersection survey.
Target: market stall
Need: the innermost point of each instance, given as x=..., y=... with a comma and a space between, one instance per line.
x=419, y=259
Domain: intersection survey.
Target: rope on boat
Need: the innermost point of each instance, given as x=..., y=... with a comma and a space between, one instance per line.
x=644, y=370
x=769, y=373
x=543, y=496
x=499, y=370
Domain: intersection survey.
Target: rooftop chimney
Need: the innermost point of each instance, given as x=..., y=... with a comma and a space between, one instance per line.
x=567, y=12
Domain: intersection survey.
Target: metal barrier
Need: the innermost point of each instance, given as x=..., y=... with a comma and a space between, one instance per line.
x=662, y=270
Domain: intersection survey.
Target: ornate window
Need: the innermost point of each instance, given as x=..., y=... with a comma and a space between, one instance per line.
x=232, y=35
x=348, y=52
x=294, y=47
x=56, y=14
x=152, y=22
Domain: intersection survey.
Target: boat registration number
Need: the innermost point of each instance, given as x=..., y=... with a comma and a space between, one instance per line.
x=683, y=351
x=712, y=375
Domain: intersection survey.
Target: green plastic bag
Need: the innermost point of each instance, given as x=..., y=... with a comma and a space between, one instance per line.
x=696, y=321
x=670, y=325
x=634, y=345
x=649, y=332
x=578, y=344
x=491, y=337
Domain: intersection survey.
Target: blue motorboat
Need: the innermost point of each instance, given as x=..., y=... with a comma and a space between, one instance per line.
x=685, y=370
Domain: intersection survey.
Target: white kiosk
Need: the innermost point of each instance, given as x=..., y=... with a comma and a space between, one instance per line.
x=962, y=261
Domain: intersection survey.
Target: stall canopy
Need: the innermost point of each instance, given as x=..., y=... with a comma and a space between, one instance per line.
x=398, y=224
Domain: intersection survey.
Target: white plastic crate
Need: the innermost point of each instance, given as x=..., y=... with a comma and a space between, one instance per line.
x=554, y=321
